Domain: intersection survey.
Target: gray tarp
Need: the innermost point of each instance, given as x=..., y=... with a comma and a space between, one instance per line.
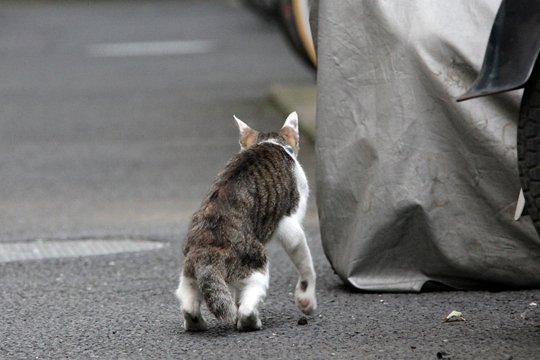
x=413, y=186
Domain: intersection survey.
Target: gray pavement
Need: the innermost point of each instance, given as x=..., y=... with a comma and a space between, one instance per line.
x=123, y=147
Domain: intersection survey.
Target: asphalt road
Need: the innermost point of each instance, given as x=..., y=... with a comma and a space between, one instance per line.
x=102, y=140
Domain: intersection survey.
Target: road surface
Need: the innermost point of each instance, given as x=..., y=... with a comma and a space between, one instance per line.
x=114, y=119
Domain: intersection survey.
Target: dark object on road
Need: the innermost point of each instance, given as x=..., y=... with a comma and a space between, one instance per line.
x=303, y=320
x=443, y=355
x=511, y=63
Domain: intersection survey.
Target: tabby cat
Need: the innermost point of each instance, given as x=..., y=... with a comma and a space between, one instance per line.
x=261, y=194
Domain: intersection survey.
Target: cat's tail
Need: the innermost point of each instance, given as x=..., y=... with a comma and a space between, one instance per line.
x=216, y=293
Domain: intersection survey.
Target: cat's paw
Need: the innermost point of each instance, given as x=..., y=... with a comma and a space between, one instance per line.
x=306, y=305
x=194, y=322
x=305, y=297
x=250, y=322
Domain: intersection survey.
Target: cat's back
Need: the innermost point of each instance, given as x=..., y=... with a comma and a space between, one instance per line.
x=258, y=164
x=255, y=190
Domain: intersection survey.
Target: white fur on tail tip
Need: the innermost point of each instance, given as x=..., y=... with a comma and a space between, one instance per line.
x=292, y=121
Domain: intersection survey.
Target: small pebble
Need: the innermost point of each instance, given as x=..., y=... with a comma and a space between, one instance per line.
x=302, y=321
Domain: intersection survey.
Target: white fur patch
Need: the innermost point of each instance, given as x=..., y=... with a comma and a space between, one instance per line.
x=293, y=240
x=188, y=294
x=303, y=191
x=252, y=291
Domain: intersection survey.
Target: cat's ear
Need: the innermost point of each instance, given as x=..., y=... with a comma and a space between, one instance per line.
x=292, y=121
x=248, y=136
x=290, y=131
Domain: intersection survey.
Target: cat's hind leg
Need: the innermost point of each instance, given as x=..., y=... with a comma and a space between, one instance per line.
x=190, y=301
x=291, y=236
x=252, y=291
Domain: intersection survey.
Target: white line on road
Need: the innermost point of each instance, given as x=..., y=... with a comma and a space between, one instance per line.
x=154, y=48
x=50, y=249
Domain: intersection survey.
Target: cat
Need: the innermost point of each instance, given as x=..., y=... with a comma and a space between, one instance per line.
x=261, y=194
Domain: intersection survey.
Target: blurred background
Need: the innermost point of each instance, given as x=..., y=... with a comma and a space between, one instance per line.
x=115, y=116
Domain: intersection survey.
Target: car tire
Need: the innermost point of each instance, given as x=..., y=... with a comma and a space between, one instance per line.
x=528, y=146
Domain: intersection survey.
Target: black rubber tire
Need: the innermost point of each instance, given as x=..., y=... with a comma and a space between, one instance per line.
x=528, y=146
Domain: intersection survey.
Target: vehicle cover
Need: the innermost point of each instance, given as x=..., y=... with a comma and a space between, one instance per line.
x=414, y=188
